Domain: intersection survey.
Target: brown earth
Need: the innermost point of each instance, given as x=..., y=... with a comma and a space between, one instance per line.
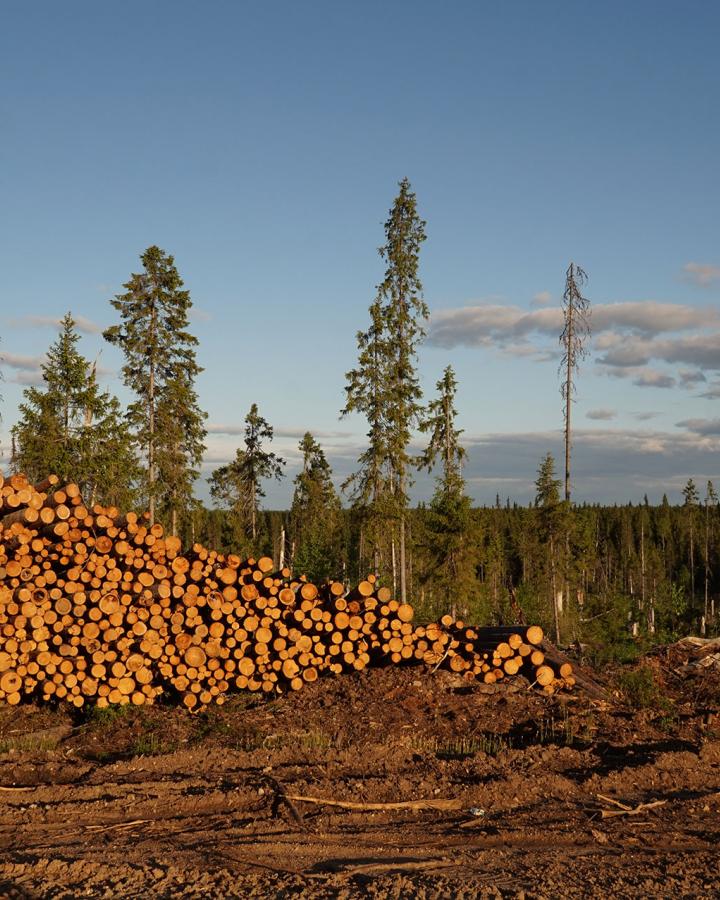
x=159, y=803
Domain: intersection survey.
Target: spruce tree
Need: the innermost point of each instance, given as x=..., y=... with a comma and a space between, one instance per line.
x=237, y=485
x=316, y=524
x=547, y=500
x=691, y=500
x=397, y=314
x=406, y=310
x=366, y=393
x=161, y=369
x=453, y=531
x=73, y=429
x=711, y=502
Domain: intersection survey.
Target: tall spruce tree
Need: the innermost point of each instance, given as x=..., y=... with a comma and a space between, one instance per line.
x=711, y=502
x=237, y=485
x=691, y=500
x=452, y=528
x=73, y=429
x=576, y=330
x=316, y=522
x=711, y=505
x=547, y=499
x=366, y=393
x=401, y=312
x=161, y=369
x=406, y=310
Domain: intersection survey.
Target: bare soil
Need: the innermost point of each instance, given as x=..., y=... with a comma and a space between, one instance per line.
x=155, y=802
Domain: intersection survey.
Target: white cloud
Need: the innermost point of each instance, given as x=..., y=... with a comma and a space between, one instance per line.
x=81, y=323
x=279, y=432
x=643, y=377
x=702, y=274
x=699, y=350
x=601, y=414
x=542, y=298
x=609, y=464
x=27, y=378
x=495, y=325
x=26, y=363
x=653, y=378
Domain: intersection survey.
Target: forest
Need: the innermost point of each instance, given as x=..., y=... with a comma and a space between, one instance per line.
x=609, y=578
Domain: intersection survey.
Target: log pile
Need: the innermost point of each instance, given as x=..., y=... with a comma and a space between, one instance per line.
x=97, y=607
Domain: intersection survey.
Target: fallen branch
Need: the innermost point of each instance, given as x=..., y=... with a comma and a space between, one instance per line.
x=400, y=804
x=281, y=796
x=3, y=788
x=116, y=825
x=624, y=809
x=379, y=867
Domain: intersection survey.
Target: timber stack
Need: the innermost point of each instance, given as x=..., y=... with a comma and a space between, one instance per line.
x=98, y=607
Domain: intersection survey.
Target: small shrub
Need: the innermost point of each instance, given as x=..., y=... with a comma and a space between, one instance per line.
x=151, y=744
x=28, y=743
x=106, y=716
x=640, y=689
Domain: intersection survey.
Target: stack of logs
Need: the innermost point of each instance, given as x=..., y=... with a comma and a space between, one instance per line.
x=98, y=607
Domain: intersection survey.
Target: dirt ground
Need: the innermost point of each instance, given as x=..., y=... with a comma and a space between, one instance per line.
x=159, y=803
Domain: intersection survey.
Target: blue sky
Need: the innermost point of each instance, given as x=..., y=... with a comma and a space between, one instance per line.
x=261, y=145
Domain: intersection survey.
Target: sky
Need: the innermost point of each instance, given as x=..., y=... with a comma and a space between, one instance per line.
x=262, y=144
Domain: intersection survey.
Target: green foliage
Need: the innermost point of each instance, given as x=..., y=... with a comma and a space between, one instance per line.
x=316, y=521
x=384, y=386
x=237, y=485
x=73, y=429
x=161, y=369
x=452, y=531
x=640, y=689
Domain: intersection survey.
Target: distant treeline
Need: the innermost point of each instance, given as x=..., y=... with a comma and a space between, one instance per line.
x=623, y=572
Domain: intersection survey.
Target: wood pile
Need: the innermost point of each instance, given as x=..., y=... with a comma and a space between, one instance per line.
x=96, y=607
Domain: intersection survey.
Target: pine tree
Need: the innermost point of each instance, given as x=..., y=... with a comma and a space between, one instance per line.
x=453, y=531
x=315, y=516
x=73, y=429
x=576, y=330
x=404, y=312
x=237, y=485
x=160, y=369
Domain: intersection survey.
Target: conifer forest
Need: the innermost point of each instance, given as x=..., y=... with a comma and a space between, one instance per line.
x=608, y=578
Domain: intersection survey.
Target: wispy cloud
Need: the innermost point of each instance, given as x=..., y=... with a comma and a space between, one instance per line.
x=495, y=325
x=690, y=379
x=26, y=363
x=198, y=314
x=642, y=377
x=701, y=426
x=279, y=432
x=712, y=393
x=699, y=350
x=601, y=415
x=82, y=323
x=542, y=298
x=645, y=416
x=702, y=274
